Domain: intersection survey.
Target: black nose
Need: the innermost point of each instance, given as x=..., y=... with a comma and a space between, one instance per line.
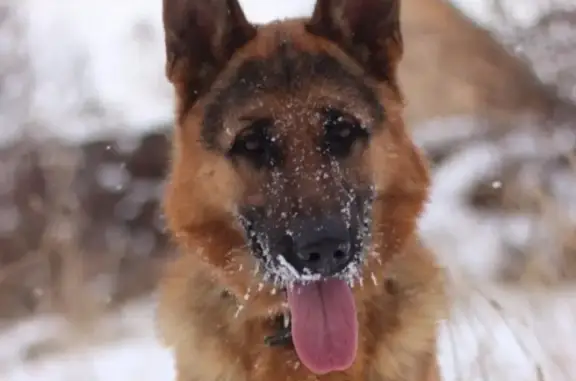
x=323, y=246
x=326, y=257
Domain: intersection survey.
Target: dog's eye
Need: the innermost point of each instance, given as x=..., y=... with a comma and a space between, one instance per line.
x=341, y=132
x=255, y=145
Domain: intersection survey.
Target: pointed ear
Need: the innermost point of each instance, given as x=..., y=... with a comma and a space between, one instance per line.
x=368, y=30
x=201, y=36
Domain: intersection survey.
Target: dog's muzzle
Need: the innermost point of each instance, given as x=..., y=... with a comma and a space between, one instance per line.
x=309, y=246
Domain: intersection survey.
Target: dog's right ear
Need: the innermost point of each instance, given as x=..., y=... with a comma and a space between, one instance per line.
x=368, y=30
x=200, y=37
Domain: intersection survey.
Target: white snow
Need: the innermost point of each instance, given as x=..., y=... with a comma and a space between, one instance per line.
x=96, y=67
x=508, y=335
x=456, y=230
x=132, y=354
x=99, y=66
x=495, y=334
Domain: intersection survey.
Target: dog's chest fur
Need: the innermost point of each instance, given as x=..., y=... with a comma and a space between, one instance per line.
x=397, y=338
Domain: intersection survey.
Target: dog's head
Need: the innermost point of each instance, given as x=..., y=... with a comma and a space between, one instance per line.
x=290, y=150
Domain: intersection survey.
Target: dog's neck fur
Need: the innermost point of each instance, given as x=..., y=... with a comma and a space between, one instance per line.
x=402, y=310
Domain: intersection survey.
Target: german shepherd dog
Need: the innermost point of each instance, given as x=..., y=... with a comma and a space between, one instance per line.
x=294, y=195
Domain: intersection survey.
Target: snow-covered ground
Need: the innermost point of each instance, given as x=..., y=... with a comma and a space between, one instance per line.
x=131, y=354
x=96, y=69
x=494, y=334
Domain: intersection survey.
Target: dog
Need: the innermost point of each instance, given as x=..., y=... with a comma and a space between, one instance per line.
x=293, y=195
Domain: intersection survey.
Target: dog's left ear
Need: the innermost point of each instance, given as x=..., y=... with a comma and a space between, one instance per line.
x=368, y=30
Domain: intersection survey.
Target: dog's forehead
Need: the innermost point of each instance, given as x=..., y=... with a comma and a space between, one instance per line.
x=289, y=77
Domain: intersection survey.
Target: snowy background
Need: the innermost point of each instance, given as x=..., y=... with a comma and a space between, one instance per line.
x=84, y=112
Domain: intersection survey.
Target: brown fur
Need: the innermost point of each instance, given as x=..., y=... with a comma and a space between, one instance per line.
x=215, y=310
x=452, y=67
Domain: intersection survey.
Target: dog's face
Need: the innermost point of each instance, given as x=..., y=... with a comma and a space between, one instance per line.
x=299, y=145
x=289, y=145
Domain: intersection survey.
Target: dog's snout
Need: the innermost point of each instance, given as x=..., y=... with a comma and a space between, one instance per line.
x=322, y=246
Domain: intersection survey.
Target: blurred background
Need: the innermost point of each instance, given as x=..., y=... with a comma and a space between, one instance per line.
x=85, y=120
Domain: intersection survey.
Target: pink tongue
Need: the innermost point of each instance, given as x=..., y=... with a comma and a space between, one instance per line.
x=324, y=325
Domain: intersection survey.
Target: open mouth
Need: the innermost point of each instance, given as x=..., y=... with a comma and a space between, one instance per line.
x=324, y=324
x=319, y=283
x=323, y=320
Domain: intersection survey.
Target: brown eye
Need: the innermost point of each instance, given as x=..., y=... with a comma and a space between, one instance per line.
x=255, y=145
x=341, y=131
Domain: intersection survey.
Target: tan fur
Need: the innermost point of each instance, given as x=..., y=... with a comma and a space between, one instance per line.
x=215, y=310
x=452, y=67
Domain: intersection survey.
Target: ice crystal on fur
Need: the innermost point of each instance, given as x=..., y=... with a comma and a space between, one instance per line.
x=238, y=310
x=374, y=280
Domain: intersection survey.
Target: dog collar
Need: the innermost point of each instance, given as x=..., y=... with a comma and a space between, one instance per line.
x=283, y=335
